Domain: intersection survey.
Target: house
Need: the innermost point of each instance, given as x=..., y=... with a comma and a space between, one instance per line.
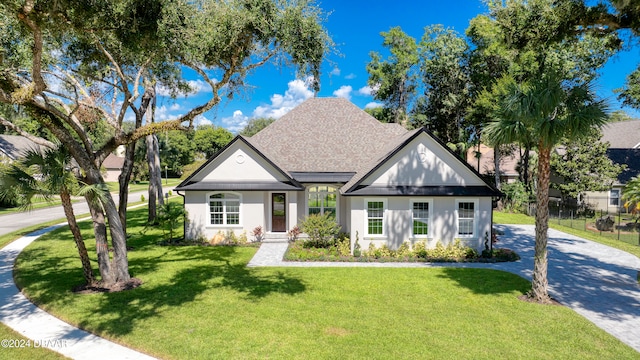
x=112, y=167
x=481, y=158
x=624, y=149
x=381, y=182
x=12, y=147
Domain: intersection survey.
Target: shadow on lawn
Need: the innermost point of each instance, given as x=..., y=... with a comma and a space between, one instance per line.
x=117, y=313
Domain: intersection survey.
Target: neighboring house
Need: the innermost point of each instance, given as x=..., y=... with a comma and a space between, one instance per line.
x=481, y=158
x=380, y=181
x=624, y=148
x=112, y=167
x=12, y=147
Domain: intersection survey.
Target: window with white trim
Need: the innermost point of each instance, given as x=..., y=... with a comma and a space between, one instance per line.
x=614, y=197
x=224, y=209
x=322, y=199
x=375, y=216
x=420, y=218
x=466, y=211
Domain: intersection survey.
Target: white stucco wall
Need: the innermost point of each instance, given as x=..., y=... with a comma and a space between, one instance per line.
x=423, y=162
x=255, y=210
x=239, y=163
x=252, y=214
x=398, y=222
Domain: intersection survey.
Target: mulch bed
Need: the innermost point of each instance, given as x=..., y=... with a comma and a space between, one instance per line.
x=99, y=288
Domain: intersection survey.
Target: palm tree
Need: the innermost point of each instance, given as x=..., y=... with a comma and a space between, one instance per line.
x=545, y=110
x=47, y=173
x=631, y=196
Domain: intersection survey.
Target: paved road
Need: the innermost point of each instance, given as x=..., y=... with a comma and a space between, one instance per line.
x=14, y=222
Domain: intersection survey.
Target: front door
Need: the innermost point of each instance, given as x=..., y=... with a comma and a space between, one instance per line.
x=278, y=212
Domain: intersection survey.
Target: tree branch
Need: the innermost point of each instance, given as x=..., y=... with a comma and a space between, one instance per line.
x=38, y=140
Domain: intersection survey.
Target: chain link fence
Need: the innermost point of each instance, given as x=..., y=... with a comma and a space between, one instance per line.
x=613, y=222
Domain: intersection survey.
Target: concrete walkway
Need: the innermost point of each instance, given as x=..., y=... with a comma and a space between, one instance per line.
x=596, y=281
x=45, y=330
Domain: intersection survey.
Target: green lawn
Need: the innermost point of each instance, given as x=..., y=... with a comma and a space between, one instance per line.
x=203, y=303
x=141, y=185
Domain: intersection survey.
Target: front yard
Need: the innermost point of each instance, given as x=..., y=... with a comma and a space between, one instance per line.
x=203, y=303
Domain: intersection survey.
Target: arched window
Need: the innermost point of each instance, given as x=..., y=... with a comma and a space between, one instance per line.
x=224, y=209
x=322, y=199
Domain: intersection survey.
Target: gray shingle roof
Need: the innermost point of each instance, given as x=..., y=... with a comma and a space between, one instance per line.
x=14, y=146
x=622, y=135
x=325, y=135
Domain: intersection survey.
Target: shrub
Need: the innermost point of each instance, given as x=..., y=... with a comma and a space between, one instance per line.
x=356, y=247
x=451, y=252
x=505, y=255
x=322, y=230
x=242, y=240
x=420, y=249
x=258, y=233
x=516, y=196
x=294, y=233
x=344, y=245
x=404, y=250
x=169, y=216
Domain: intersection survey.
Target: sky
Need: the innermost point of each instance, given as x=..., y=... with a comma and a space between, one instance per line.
x=355, y=27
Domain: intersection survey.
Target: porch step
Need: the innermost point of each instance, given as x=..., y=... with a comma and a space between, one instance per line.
x=275, y=238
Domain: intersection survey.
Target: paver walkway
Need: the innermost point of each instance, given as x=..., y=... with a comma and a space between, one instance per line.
x=596, y=281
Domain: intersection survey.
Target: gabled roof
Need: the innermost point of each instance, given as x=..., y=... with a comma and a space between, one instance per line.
x=325, y=135
x=622, y=134
x=113, y=162
x=289, y=184
x=14, y=146
x=353, y=187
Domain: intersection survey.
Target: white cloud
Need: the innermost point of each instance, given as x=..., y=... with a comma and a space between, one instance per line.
x=335, y=71
x=236, y=122
x=164, y=113
x=350, y=76
x=297, y=92
x=368, y=90
x=343, y=92
x=174, y=107
x=373, y=105
x=201, y=120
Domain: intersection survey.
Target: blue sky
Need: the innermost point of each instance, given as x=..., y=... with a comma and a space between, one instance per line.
x=355, y=27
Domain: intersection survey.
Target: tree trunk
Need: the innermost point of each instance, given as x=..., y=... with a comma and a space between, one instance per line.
x=525, y=170
x=496, y=165
x=87, y=271
x=118, y=240
x=539, y=285
x=102, y=246
x=153, y=180
x=156, y=163
x=123, y=183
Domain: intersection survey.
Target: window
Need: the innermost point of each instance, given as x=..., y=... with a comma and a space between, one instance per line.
x=224, y=209
x=323, y=200
x=466, y=218
x=614, y=197
x=420, y=215
x=375, y=217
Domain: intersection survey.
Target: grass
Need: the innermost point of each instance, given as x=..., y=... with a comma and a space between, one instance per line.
x=141, y=185
x=203, y=303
